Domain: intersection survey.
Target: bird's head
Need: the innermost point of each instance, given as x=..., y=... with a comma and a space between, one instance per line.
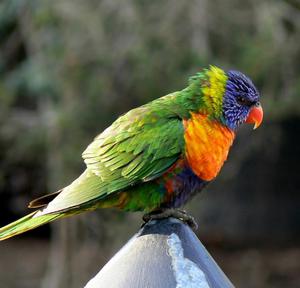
x=241, y=101
x=231, y=98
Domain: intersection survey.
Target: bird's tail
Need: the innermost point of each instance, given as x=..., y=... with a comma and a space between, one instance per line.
x=26, y=223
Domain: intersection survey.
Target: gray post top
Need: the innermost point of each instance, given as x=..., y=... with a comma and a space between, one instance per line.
x=164, y=253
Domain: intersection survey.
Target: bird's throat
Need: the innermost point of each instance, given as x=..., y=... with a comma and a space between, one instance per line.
x=207, y=144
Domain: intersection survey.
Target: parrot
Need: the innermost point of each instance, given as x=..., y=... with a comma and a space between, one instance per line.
x=155, y=157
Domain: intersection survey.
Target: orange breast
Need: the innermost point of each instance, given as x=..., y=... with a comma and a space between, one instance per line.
x=207, y=145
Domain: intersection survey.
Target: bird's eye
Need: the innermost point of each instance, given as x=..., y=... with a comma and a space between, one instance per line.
x=241, y=100
x=244, y=101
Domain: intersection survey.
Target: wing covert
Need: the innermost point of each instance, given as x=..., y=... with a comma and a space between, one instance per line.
x=135, y=149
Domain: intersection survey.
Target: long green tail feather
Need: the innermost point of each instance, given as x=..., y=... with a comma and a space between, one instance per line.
x=26, y=223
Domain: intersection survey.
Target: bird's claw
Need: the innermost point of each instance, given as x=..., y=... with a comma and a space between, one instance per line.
x=176, y=213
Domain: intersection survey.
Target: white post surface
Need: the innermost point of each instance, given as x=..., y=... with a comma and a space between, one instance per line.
x=164, y=253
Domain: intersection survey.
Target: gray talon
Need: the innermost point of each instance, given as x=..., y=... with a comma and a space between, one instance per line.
x=179, y=214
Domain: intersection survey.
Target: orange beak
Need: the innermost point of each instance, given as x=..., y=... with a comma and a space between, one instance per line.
x=255, y=116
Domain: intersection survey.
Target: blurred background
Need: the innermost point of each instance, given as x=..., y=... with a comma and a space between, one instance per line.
x=69, y=68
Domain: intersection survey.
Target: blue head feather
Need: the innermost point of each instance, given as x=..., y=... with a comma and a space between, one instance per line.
x=240, y=96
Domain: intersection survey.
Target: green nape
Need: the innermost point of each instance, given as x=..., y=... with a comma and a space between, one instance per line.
x=203, y=94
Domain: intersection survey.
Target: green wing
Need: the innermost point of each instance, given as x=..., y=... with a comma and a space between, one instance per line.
x=137, y=147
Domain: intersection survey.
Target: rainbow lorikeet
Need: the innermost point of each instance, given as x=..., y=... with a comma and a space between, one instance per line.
x=156, y=156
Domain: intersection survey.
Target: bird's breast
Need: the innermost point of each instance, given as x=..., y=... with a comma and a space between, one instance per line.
x=207, y=143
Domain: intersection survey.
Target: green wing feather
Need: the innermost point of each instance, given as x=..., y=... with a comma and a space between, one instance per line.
x=139, y=146
x=26, y=223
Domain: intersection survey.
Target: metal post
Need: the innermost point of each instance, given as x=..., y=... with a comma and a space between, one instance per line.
x=163, y=254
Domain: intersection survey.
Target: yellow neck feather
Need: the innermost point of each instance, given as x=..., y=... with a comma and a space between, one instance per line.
x=214, y=90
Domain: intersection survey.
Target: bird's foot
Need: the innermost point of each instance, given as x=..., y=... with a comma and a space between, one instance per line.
x=176, y=213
